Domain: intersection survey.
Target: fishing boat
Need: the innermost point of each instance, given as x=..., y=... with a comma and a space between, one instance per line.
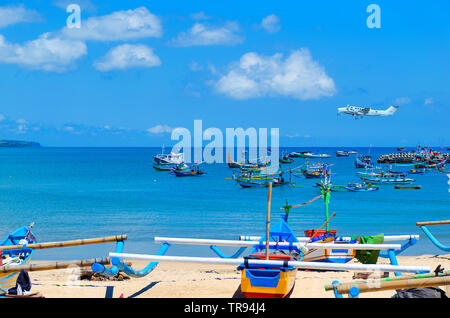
x=401, y=149
x=16, y=256
x=168, y=167
x=340, y=153
x=416, y=171
x=294, y=154
x=286, y=159
x=313, y=155
x=271, y=282
x=412, y=187
x=352, y=152
x=172, y=158
x=246, y=165
x=315, y=171
x=333, y=187
x=191, y=171
x=360, y=187
x=363, y=162
x=387, y=179
x=263, y=181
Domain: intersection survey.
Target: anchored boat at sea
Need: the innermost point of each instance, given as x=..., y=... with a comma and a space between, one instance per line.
x=166, y=162
x=188, y=171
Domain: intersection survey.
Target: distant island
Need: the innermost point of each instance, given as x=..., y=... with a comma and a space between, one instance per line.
x=18, y=144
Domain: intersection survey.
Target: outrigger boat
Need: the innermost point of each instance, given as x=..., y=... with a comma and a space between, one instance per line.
x=18, y=247
x=340, y=153
x=363, y=162
x=333, y=187
x=169, y=167
x=286, y=159
x=295, y=154
x=358, y=187
x=439, y=277
x=315, y=171
x=270, y=268
x=313, y=155
x=416, y=171
x=246, y=165
x=387, y=179
x=192, y=171
x=262, y=181
x=19, y=255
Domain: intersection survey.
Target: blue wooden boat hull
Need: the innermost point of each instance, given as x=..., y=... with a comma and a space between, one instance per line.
x=188, y=174
x=9, y=280
x=362, y=189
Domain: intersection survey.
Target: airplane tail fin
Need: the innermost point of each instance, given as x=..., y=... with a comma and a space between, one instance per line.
x=391, y=110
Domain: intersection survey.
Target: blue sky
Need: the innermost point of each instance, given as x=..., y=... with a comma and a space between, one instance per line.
x=137, y=69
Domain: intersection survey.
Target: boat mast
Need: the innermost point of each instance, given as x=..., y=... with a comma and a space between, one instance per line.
x=268, y=220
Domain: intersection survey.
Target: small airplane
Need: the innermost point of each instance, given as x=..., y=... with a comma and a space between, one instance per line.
x=360, y=112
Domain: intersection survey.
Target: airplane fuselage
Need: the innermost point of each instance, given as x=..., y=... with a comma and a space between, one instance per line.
x=367, y=111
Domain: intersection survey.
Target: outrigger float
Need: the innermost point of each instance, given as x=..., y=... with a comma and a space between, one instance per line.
x=423, y=226
x=270, y=268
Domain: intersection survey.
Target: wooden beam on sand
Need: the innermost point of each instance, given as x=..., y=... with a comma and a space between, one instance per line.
x=375, y=286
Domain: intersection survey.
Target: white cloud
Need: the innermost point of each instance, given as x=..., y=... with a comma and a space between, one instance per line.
x=203, y=34
x=45, y=53
x=127, y=56
x=428, y=101
x=159, y=129
x=402, y=100
x=271, y=23
x=118, y=26
x=297, y=76
x=69, y=128
x=200, y=16
x=195, y=67
x=15, y=14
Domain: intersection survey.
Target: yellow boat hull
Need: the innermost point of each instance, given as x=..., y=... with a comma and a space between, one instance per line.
x=254, y=283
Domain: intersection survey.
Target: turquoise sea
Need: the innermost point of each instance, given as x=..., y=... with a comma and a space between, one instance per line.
x=73, y=193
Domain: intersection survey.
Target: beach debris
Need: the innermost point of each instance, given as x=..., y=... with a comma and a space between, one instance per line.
x=91, y=276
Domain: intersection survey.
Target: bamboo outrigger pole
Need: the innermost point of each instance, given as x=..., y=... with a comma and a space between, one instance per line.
x=433, y=223
x=395, y=284
x=39, y=246
x=268, y=220
x=389, y=279
x=54, y=265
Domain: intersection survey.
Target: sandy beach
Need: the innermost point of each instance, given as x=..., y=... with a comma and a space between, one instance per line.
x=176, y=280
